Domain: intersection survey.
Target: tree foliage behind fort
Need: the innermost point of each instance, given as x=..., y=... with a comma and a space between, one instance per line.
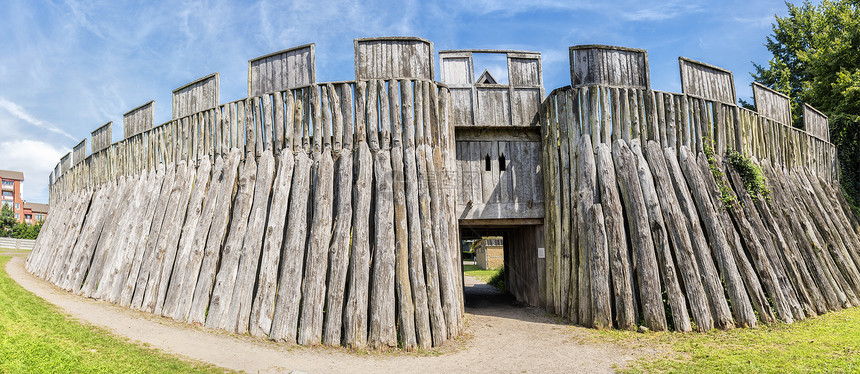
x=816, y=60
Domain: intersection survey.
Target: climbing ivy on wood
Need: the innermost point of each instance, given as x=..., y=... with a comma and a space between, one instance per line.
x=726, y=195
x=754, y=181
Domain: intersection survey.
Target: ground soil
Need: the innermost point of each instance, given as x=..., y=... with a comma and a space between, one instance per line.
x=502, y=337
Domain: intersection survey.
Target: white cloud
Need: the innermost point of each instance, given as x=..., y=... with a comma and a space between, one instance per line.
x=36, y=159
x=764, y=21
x=661, y=12
x=19, y=112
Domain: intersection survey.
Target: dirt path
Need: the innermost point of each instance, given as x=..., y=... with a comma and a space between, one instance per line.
x=504, y=339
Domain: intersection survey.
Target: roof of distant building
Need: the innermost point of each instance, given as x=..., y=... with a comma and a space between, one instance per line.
x=8, y=174
x=36, y=207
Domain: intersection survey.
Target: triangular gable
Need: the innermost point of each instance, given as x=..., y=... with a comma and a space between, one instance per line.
x=486, y=78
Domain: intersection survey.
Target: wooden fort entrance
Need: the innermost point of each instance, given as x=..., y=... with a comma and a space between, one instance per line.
x=499, y=178
x=523, y=243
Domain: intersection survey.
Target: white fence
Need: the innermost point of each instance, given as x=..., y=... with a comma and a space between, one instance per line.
x=23, y=244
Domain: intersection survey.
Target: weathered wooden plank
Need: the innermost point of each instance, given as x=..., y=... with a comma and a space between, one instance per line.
x=807, y=294
x=80, y=262
x=764, y=267
x=152, y=240
x=783, y=285
x=104, y=248
x=826, y=218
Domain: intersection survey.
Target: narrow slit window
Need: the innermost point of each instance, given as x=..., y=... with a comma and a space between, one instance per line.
x=487, y=163
x=502, y=162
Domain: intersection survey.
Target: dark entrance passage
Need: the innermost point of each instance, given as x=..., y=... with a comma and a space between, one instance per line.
x=523, y=263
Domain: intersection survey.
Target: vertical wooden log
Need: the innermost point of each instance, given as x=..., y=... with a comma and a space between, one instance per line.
x=587, y=176
x=573, y=113
x=449, y=180
x=278, y=126
x=605, y=121
x=416, y=263
x=355, y=312
x=677, y=301
x=285, y=321
x=563, y=267
x=263, y=307
x=705, y=191
x=382, y=324
x=339, y=249
x=593, y=113
x=225, y=280
x=599, y=268
x=441, y=215
x=676, y=227
x=215, y=239
x=182, y=294
x=437, y=319
x=313, y=286
x=741, y=307
x=637, y=215
x=403, y=288
x=616, y=240
x=553, y=226
x=241, y=302
x=185, y=253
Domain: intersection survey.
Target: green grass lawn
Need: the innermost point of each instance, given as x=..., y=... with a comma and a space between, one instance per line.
x=495, y=278
x=828, y=343
x=36, y=337
x=475, y=271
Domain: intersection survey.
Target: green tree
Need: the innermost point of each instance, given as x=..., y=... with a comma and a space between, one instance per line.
x=7, y=219
x=816, y=60
x=33, y=231
x=19, y=231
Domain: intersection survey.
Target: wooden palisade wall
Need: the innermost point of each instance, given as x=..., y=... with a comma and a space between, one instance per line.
x=328, y=213
x=312, y=215
x=638, y=232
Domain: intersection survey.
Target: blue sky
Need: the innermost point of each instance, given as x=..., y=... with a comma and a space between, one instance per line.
x=67, y=67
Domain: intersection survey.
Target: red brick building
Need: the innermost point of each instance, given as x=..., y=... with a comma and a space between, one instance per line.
x=10, y=185
x=35, y=212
